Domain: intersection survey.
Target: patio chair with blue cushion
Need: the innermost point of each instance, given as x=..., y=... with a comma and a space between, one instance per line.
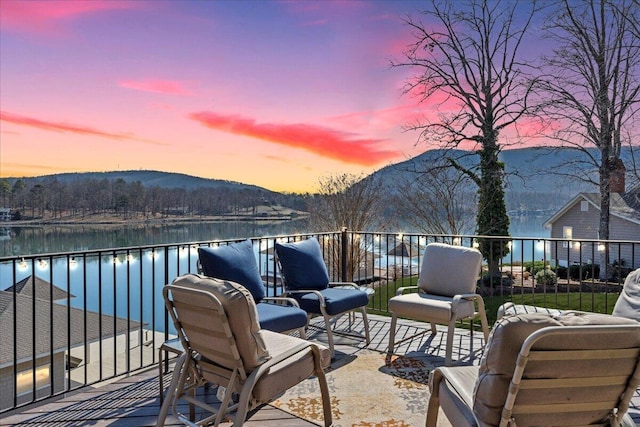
x=446, y=293
x=237, y=263
x=216, y=321
x=305, y=278
x=569, y=369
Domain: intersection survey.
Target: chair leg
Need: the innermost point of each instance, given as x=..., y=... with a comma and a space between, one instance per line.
x=303, y=333
x=171, y=391
x=327, y=324
x=483, y=319
x=324, y=389
x=434, y=399
x=365, y=320
x=450, y=332
x=160, y=377
x=392, y=332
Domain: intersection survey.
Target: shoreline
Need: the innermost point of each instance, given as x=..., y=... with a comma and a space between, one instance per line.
x=116, y=221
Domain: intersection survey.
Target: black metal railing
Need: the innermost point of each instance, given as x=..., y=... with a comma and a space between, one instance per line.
x=73, y=319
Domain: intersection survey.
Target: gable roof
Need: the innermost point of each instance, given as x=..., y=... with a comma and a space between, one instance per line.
x=48, y=324
x=625, y=207
x=44, y=289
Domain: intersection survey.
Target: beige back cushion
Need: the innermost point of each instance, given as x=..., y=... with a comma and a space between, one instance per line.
x=449, y=270
x=504, y=343
x=241, y=312
x=628, y=303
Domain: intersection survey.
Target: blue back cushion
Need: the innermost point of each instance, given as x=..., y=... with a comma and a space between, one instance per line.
x=235, y=262
x=302, y=264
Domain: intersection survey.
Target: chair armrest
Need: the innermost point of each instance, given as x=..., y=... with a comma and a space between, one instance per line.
x=457, y=299
x=469, y=297
x=344, y=284
x=286, y=300
x=401, y=290
x=264, y=368
x=308, y=291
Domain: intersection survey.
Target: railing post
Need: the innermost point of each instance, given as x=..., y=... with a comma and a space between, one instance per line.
x=343, y=256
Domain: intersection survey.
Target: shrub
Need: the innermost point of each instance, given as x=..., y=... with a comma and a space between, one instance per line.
x=534, y=267
x=489, y=280
x=561, y=272
x=546, y=277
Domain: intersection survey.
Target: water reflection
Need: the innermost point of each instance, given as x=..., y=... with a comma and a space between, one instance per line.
x=68, y=238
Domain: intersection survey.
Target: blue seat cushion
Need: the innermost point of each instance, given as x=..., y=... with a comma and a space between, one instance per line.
x=234, y=262
x=302, y=264
x=280, y=318
x=337, y=300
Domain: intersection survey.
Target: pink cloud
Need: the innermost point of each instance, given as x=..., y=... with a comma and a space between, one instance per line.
x=64, y=127
x=393, y=117
x=170, y=87
x=48, y=17
x=319, y=140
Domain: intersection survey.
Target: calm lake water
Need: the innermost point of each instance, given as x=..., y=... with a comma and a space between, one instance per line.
x=67, y=238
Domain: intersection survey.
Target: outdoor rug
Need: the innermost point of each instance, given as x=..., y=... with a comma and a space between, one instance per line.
x=367, y=389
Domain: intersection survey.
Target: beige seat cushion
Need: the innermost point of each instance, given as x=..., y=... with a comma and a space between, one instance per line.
x=433, y=307
x=449, y=270
x=285, y=375
x=241, y=314
x=501, y=352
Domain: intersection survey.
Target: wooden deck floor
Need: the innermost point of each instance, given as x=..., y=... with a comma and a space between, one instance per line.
x=134, y=400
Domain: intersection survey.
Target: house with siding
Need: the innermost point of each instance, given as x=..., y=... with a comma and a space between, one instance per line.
x=39, y=335
x=579, y=220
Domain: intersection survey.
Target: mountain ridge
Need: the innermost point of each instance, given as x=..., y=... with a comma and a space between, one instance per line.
x=150, y=178
x=526, y=170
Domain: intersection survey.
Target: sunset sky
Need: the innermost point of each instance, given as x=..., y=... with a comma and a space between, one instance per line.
x=272, y=93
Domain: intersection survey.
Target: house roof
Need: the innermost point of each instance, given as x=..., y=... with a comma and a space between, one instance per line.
x=44, y=290
x=50, y=324
x=626, y=207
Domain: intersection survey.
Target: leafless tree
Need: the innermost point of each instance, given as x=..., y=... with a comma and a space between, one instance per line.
x=470, y=54
x=592, y=86
x=347, y=201
x=438, y=200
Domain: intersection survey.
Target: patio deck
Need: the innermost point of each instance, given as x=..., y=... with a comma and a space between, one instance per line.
x=134, y=400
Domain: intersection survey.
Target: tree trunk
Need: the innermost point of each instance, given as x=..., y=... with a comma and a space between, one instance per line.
x=605, y=204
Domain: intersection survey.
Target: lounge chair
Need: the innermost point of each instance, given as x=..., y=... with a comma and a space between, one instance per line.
x=573, y=369
x=216, y=321
x=446, y=293
x=306, y=279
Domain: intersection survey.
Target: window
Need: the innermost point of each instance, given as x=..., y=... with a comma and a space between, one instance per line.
x=567, y=233
x=24, y=380
x=584, y=206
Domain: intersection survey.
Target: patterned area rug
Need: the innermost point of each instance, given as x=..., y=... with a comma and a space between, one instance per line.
x=368, y=389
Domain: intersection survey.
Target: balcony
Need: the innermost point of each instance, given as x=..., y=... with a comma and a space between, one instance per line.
x=85, y=349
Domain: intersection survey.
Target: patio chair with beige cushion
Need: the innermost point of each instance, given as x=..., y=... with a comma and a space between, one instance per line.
x=572, y=369
x=216, y=321
x=446, y=293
